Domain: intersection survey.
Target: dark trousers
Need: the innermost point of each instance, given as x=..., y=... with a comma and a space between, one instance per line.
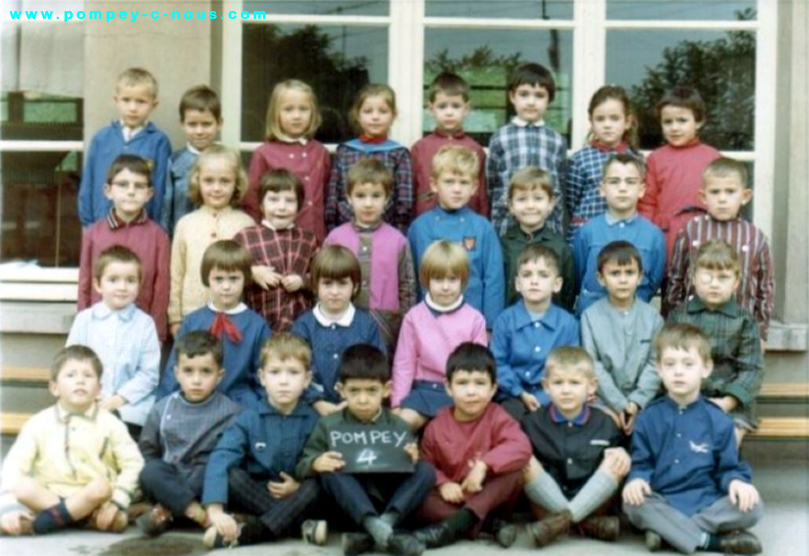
x=373, y=494
x=280, y=515
x=167, y=485
x=498, y=497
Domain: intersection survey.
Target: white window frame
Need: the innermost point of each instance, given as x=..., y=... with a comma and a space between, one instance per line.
x=407, y=20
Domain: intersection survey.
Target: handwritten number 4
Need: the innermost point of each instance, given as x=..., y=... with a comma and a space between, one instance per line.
x=367, y=457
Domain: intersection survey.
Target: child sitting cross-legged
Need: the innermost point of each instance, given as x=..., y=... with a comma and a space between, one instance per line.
x=376, y=502
x=478, y=452
x=578, y=465
x=251, y=469
x=181, y=431
x=687, y=485
x=73, y=463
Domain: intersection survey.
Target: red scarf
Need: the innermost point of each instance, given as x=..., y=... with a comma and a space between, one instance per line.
x=223, y=325
x=373, y=140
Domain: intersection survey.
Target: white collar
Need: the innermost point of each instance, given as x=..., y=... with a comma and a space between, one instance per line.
x=267, y=224
x=344, y=320
x=441, y=308
x=287, y=139
x=240, y=308
x=519, y=122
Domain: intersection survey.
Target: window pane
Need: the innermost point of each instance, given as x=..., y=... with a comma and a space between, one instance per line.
x=335, y=60
x=39, y=207
x=34, y=116
x=321, y=7
x=720, y=65
x=485, y=58
x=666, y=10
x=516, y=9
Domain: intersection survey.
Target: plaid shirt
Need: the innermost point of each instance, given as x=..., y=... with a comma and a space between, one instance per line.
x=516, y=146
x=756, y=293
x=583, y=198
x=735, y=349
x=398, y=211
x=289, y=251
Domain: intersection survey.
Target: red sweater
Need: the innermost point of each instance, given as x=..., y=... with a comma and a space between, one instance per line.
x=423, y=152
x=494, y=437
x=311, y=163
x=673, y=182
x=150, y=243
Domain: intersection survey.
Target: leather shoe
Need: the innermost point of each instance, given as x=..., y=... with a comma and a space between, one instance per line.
x=602, y=528
x=435, y=536
x=654, y=542
x=740, y=542
x=505, y=533
x=546, y=530
x=405, y=544
x=357, y=543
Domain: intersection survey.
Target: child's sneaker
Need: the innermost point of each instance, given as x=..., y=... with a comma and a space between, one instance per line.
x=315, y=532
x=654, y=542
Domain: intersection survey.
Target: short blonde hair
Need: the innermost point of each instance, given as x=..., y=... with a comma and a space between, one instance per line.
x=570, y=359
x=681, y=335
x=371, y=90
x=137, y=77
x=528, y=179
x=457, y=160
x=273, y=119
x=442, y=259
x=717, y=254
x=234, y=161
x=724, y=167
x=285, y=345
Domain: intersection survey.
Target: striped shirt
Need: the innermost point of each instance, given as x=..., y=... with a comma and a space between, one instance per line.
x=756, y=293
x=517, y=145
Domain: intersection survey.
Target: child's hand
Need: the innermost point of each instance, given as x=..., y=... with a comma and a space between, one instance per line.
x=474, y=479
x=628, y=416
x=174, y=328
x=744, y=495
x=112, y=403
x=451, y=493
x=286, y=487
x=265, y=276
x=635, y=492
x=726, y=403
x=17, y=522
x=106, y=515
x=225, y=525
x=292, y=282
x=327, y=408
x=617, y=461
x=530, y=401
x=412, y=450
x=327, y=462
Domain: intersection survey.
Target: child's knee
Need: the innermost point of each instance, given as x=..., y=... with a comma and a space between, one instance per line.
x=98, y=491
x=532, y=470
x=25, y=489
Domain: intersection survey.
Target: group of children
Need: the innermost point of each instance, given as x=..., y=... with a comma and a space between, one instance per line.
x=376, y=275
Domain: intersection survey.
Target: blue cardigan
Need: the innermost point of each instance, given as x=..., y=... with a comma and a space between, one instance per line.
x=107, y=145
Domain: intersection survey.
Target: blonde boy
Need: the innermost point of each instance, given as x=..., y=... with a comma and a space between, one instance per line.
x=454, y=180
x=531, y=201
x=725, y=193
x=135, y=98
x=687, y=485
x=578, y=463
x=72, y=461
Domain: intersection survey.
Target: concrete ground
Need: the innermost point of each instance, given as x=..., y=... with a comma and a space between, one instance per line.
x=784, y=531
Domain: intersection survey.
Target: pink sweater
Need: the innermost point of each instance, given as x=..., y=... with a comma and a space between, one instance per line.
x=426, y=341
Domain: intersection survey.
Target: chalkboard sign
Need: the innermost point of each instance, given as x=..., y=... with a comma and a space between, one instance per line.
x=372, y=449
